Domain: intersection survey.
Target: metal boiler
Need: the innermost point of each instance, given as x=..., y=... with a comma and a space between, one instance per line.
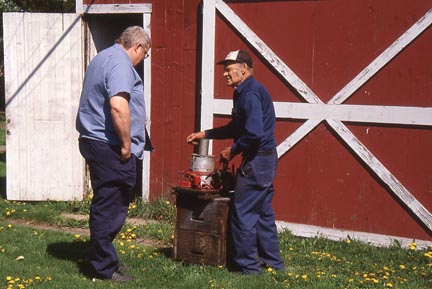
x=202, y=174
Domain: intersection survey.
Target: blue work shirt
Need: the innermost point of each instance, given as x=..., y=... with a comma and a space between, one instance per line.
x=253, y=120
x=108, y=74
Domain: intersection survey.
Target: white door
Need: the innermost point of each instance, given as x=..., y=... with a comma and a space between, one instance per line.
x=43, y=78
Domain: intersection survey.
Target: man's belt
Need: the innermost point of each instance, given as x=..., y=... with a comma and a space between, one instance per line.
x=267, y=153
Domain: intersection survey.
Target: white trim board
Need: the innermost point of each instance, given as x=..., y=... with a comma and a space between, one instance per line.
x=405, y=115
x=378, y=240
x=116, y=8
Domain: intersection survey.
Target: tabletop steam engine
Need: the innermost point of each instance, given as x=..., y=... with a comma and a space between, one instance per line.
x=203, y=176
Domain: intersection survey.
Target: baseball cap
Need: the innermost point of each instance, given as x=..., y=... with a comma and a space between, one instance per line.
x=237, y=56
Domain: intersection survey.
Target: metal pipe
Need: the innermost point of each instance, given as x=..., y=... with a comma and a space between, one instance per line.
x=203, y=147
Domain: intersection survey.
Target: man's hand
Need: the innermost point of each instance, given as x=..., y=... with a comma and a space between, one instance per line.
x=193, y=137
x=125, y=154
x=226, y=153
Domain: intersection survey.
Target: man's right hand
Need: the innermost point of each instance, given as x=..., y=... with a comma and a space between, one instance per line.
x=193, y=137
x=125, y=154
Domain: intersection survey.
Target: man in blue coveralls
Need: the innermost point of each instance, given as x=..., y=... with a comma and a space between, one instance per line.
x=252, y=126
x=111, y=123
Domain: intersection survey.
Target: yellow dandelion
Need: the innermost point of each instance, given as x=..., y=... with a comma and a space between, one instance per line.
x=269, y=269
x=304, y=276
x=402, y=267
x=77, y=236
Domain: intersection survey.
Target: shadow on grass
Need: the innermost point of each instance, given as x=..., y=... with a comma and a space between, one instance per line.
x=3, y=178
x=167, y=252
x=76, y=252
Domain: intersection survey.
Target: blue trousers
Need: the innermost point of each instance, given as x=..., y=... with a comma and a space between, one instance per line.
x=112, y=182
x=253, y=225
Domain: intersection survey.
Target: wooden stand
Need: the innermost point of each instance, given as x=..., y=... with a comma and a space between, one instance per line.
x=201, y=227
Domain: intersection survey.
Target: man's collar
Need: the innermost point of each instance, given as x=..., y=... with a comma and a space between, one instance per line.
x=244, y=83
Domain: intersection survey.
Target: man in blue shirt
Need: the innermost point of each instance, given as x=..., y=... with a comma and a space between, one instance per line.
x=111, y=123
x=252, y=126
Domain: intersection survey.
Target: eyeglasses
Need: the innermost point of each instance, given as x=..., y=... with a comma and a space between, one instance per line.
x=146, y=55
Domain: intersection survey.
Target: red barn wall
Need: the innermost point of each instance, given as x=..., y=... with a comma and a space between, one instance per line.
x=326, y=43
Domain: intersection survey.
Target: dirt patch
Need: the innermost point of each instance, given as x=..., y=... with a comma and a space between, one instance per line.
x=130, y=221
x=86, y=232
x=41, y=226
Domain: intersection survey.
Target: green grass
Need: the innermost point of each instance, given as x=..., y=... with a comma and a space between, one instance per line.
x=2, y=142
x=2, y=129
x=58, y=259
x=160, y=215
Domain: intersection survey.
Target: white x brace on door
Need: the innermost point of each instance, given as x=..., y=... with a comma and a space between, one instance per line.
x=315, y=111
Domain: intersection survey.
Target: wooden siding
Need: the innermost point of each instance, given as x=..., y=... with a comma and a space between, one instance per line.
x=321, y=204
x=326, y=44
x=43, y=64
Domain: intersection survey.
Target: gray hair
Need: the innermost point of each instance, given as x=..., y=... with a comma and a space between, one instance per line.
x=134, y=35
x=250, y=69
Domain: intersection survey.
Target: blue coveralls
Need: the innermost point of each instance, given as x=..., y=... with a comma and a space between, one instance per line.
x=252, y=217
x=109, y=73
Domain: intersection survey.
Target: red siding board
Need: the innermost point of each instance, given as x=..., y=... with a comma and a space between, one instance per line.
x=326, y=43
x=158, y=93
x=174, y=91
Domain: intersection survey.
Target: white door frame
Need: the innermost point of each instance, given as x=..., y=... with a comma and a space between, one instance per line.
x=146, y=10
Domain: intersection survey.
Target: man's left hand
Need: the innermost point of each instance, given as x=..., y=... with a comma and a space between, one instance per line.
x=226, y=153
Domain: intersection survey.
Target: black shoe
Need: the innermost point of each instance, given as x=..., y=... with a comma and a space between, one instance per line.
x=118, y=277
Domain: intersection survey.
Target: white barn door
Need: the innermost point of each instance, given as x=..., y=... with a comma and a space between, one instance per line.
x=43, y=77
